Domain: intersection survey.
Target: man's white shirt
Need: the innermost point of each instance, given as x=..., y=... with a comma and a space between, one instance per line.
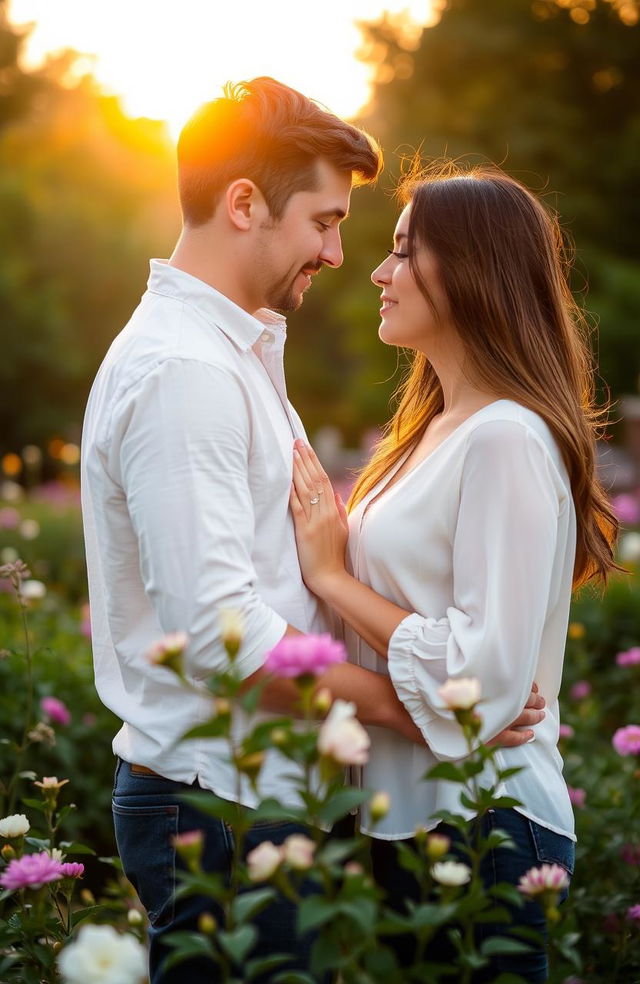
x=186, y=471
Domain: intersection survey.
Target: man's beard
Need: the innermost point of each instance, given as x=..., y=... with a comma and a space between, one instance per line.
x=282, y=297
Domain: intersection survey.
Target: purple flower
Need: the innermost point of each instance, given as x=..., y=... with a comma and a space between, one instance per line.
x=301, y=655
x=633, y=912
x=626, y=741
x=630, y=854
x=627, y=509
x=71, y=869
x=31, y=871
x=55, y=710
x=580, y=690
x=577, y=796
x=629, y=657
x=565, y=731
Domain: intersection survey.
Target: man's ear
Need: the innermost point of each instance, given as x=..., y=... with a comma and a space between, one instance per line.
x=245, y=204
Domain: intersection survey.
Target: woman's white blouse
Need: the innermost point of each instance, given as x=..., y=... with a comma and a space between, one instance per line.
x=478, y=542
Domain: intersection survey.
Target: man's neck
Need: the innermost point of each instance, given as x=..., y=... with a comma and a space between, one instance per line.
x=196, y=255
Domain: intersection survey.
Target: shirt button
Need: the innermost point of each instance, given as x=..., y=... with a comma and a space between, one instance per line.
x=265, y=336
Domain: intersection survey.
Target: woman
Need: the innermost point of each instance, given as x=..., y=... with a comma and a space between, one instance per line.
x=477, y=515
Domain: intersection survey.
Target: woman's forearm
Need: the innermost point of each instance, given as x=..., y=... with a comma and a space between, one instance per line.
x=373, y=617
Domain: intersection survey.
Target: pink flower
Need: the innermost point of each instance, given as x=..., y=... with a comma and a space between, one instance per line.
x=630, y=854
x=546, y=878
x=626, y=741
x=577, y=796
x=629, y=657
x=9, y=518
x=85, y=623
x=627, y=509
x=634, y=912
x=55, y=710
x=580, y=690
x=566, y=731
x=71, y=869
x=300, y=655
x=31, y=871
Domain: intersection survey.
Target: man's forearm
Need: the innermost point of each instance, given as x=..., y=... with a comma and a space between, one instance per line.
x=373, y=694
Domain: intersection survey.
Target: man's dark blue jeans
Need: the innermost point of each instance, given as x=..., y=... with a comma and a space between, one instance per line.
x=535, y=845
x=148, y=812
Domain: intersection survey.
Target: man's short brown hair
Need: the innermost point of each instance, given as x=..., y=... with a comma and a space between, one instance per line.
x=267, y=132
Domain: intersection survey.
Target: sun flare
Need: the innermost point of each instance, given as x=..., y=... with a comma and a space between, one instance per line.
x=165, y=59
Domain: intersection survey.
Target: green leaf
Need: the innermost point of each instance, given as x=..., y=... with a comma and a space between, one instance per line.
x=262, y=965
x=497, y=945
x=247, y=904
x=33, y=804
x=238, y=942
x=217, y=727
x=73, y=847
x=212, y=805
x=448, y=771
x=341, y=803
x=315, y=911
x=81, y=914
x=293, y=977
x=187, y=945
x=272, y=809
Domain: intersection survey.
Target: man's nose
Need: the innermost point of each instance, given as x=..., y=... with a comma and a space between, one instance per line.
x=332, y=253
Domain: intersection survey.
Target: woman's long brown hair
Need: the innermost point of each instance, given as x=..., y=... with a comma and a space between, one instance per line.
x=503, y=265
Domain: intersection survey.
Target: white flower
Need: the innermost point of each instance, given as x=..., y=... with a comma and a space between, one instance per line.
x=100, y=955
x=33, y=590
x=168, y=651
x=231, y=627
x=263, y=861
x=629, y=548
x=342, y=737
x=16, y=825
x=56, y=854
x=451, y=873
x=461, y=694
x=298, y=851
x=29, y=529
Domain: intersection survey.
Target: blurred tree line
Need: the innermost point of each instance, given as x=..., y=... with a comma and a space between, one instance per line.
x=548, y=89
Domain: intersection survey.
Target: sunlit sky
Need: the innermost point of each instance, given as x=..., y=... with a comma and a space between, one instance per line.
x=165, y=57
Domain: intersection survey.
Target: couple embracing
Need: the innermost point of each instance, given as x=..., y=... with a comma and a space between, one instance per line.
x=464, y=536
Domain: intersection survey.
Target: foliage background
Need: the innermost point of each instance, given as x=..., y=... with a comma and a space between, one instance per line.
x=548, y=89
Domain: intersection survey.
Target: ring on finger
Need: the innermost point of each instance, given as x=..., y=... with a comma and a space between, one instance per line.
x=314, y=501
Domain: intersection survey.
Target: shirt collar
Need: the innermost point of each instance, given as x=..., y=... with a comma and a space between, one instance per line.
x=242, y=328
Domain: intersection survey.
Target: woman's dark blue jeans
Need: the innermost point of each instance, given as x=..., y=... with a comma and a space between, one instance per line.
x=535, y=845
x=148, y=812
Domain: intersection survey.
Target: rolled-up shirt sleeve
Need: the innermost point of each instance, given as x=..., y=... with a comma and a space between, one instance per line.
x=183, y=456
x=504, y=552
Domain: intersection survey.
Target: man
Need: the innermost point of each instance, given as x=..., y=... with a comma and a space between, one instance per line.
x=186, y=470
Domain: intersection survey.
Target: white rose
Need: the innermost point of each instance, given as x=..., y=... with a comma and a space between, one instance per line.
x=451, y=873
x=263, y=861
x=29, y=529
x=100, y=955
x=16, y=825
x=231, y=626
x=298, y=851
x=342, y=737
x=461, y=694
x=33, y=590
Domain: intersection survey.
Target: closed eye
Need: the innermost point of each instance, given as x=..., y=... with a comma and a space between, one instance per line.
x=398, y=255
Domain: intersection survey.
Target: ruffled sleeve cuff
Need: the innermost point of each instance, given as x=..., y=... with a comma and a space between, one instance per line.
x=417, y=646
x=401, y=664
